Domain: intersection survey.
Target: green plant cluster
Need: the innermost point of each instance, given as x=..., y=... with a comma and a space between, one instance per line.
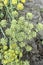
x=18, y=32
x=11, y=55
x=15, y=31
x=10, y=8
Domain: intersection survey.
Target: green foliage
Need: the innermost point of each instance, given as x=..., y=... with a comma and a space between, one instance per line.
x=15, y=31
x=18, y=33
x=20, y=30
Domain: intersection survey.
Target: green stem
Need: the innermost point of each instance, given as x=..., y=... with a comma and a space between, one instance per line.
x=2, y=32
x=8, y=11
x=11, y=9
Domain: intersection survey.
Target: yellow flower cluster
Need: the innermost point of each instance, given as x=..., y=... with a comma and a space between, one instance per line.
x=17, y=3
x=14, y=2
x=5, y=2
x=23, y=1
x=20, y=6
x=9, y=56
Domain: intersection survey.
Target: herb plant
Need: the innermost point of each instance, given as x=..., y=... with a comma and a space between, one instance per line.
x=15, y=31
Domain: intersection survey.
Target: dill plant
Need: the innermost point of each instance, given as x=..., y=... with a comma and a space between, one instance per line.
x=16, y=31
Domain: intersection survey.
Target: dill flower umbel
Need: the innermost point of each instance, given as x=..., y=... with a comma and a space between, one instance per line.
x=20, y=6
x=14, y=2
x=5, y=2
x=15, y=13
x=9, y=56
